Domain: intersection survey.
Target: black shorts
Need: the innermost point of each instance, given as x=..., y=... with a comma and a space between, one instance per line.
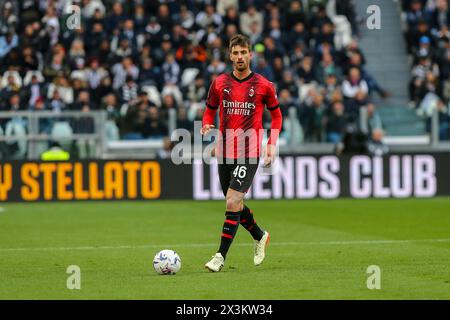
x=237, y=174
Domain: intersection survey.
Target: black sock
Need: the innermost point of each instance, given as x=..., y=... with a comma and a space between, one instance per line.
x=249, y=223
x=230, y=227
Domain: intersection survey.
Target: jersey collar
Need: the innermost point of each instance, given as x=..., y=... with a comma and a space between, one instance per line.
x=242, y=80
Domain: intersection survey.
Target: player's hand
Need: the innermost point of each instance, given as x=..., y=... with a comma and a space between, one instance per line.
x=206, y=128
x=269, y=155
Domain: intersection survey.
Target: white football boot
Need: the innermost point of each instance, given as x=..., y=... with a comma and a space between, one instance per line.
x=216, y=263
x=260, y=249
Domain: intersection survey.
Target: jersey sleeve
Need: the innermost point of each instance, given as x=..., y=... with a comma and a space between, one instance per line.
x=213, y=99
x=271, y=99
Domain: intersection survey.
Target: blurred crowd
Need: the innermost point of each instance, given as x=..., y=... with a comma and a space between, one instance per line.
x=428, y=41
x=139, y=60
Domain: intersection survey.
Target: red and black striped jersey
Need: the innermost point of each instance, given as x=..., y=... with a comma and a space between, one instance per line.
x=241, y=104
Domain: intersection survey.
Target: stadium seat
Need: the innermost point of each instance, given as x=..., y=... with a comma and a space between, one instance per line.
x=29, y=74
x=343, y=31
x=112, y=131
x=153, y=94
x=188, y=76
x=15, y=74
x=428, y=105
x=62, y=133
x=363, y=120
x=16, y=128
x=175, y=91
x=86, y=148
x=193, y=109
x=304, y=89
x=78, y=75
x=293, y=131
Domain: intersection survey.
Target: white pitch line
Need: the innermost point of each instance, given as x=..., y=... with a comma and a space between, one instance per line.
x=204, y=245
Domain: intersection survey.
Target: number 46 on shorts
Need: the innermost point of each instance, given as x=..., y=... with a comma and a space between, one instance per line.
x=240, y=172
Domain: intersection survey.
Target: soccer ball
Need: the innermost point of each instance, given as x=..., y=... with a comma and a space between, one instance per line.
x=167, y=262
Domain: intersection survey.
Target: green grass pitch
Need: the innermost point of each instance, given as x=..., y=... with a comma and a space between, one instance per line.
x=319, y=250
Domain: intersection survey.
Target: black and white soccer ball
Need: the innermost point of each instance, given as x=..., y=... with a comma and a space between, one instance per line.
x=167, y=262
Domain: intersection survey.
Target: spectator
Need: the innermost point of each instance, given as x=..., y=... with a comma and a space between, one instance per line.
x=15, y=103
x=56, y=104
x=12, y=87
x=440, y=16
x=331, y=87
x=265, y=69
x=129, y=91
x=65, y=90
x=286, y=102
x=116, y=17
x=164, y=17
x=231, y=17
x=153, y=32
x=140, y=19
x=208, y=17
x=305, y=71
x=196, y=92
x=33, y=91
x=355, y=91
x=45, y=124
x=95, y=74
x=154, y=127
x=166, y=150
x=223, y=6
x=271, y=50
x=311, y=115
x=7, y=43
x=324, y=67
x=415, y=14
x=356, y=61
x=150, y=74
x=171, y=70
x=110, y=104
x=185, y=17
x=129, y=33
x=133, y=122
x=414, y=34
x=57, y=66
x=122, y=70
x=375, y=145
x=183, y=122
x=336, y=123
x=295, y=15
x=297, y=35
x=168, y=103
x=318, y=19
x=278, y=68
x=8, y=19
x=77, y=55
x=371, y=121
x=104, y=88
x=51, y=24
x=288, y=83
x=83, y=100
x=251, y=22
x=419, y=75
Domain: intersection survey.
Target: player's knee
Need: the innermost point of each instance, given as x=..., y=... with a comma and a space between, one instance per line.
x=234, y=202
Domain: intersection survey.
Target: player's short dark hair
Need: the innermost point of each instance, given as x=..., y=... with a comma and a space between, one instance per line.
x=240, y=40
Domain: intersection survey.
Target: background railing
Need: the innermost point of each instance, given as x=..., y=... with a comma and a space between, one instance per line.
x=25, y=135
